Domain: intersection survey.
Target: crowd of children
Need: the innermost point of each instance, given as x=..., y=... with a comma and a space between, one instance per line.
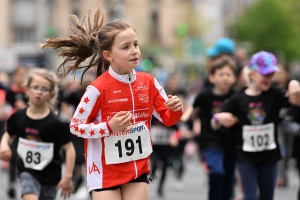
x=122, y=125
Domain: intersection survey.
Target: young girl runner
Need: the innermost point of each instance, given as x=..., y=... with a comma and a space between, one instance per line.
x=115, y=112
x=41, y=136
x=256, y=111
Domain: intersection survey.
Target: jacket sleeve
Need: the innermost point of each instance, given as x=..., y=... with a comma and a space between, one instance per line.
x=160, y=111
x=84, y=122
x=291, y=121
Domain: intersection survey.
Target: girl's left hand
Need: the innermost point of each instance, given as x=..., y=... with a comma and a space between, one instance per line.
x=66, y=187
x=174, y=103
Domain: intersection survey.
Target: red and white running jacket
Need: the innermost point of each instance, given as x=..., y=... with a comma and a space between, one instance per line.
x=110, y=93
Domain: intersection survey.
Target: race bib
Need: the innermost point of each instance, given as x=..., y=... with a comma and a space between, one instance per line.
x=258, y=138
x=134, y=145
x=159, y=135
x=35, y=155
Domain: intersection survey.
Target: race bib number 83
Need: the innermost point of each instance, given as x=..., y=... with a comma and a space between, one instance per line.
x=133, y=145
x=258, y=138
x=35, y=155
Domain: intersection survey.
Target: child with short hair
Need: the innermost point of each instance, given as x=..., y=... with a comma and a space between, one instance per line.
x=256, y=112
x=218, y=155
x=41, y=135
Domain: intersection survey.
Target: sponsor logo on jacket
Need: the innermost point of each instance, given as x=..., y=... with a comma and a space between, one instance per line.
x=144, y=98
x=117, y=100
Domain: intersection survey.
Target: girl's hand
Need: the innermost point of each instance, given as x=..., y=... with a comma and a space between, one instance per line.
x=5, y=153
x=225, y=119
x=174, y=103
x=66, y=187
x=294, y=92
x=120, y=122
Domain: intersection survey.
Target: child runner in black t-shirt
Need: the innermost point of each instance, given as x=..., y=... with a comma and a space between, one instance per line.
x=41, y=136
x=221, y=164
x=256, y=110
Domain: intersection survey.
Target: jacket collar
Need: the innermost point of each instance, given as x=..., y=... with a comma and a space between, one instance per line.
x=123, y=78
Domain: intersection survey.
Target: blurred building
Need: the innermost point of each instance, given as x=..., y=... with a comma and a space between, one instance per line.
x=26, y=23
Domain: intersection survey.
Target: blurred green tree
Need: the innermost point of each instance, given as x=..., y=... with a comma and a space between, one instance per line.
x=270, y=25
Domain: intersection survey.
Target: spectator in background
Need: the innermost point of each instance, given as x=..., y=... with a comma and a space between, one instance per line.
x=285, y=140
x=70, y=100
x=16, y=99
x=4, y=109
x=160, y=136
x=178, y=141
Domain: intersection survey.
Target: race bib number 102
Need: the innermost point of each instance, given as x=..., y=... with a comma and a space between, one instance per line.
x=134, y=145
x=258, y=138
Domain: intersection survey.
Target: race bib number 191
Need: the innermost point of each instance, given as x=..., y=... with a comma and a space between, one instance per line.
x=134, y=145
x=258, y=138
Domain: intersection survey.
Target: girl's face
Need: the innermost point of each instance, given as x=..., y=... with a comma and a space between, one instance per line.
x=38, y=91
x=125, y=53
x=261, y=82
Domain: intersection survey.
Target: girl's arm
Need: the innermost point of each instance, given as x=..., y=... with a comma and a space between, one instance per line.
x=167, y=109
x=187, y=113
x=82, y=124
x=5, y=151
x=225, y=119
x=66, y=182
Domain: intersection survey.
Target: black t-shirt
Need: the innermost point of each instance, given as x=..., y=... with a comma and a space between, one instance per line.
x=257, y=110
x=208, y=104
x=49, y=130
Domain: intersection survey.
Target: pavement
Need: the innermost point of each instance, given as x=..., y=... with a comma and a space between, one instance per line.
x=194, y=185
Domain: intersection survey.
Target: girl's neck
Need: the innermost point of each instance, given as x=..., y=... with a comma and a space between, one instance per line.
x=120, y=71
x=252, y=90
x=37, y=112
x=220, y=92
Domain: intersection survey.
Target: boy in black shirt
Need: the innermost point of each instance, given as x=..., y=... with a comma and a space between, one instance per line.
x=218, y=154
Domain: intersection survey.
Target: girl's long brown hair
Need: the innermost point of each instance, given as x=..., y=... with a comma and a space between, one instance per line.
x=87, y=41
x=82, y=43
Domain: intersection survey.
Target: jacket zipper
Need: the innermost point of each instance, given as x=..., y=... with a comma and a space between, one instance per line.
x=129, y=78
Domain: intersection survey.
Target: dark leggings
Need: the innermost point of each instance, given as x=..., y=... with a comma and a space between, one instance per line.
x=159, y=155
x=13, y=161
x=261, y=176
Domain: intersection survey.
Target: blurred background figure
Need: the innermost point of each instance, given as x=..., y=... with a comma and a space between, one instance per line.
x=286, y=139
x=16, y=99
x=160, y=136
x=71, y=95
x=178, y=141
